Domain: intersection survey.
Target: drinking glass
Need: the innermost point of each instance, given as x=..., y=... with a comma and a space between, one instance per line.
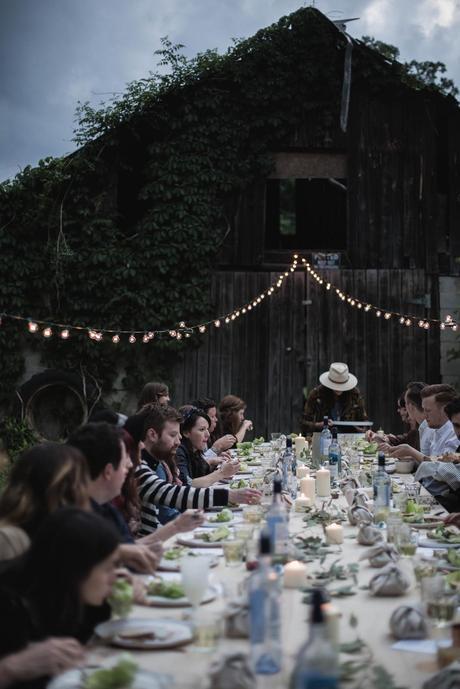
x=252, y=513
x=195, y=576
x=208, y=630
x=233, y=552
x=400, y=501
x=406, y=540
x=439, y=600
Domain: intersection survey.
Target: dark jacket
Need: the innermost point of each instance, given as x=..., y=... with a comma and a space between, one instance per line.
x=190, y=464
x=321, y=401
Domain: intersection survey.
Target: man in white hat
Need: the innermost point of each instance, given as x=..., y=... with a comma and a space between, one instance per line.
x=337, y=397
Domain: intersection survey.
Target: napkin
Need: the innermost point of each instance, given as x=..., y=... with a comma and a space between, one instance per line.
x=448, y=678
x=232, y=671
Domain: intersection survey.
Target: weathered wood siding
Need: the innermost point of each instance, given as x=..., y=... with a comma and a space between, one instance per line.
x=284, y=344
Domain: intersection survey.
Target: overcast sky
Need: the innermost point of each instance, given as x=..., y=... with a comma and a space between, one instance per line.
x=56, y=52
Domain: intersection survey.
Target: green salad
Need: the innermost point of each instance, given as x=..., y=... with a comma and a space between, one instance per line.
x=259, y=441
x=215, y=535
x=174, y=553
x=243, y=467
x=122, y=597
x=453, y=557
x=224, y=516
x=445, y=534
x=166, y=589
x=239, y=483
x=120, y=676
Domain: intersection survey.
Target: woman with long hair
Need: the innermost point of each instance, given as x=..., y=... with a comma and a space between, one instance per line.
x=194, y=470
x=43, y=479
x=154, y=393
x=231, y=418
x=58, y=588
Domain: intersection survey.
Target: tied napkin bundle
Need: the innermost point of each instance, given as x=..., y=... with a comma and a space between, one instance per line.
x=368, y=535
x=381, y=555
x=349, y=487
x=358, y=514
x=237, y=619
x=389, y=582
x=448, y=678
x=408, y=622
x=232, y=671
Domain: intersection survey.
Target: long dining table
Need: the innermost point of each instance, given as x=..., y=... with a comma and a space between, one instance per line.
x=362, y=616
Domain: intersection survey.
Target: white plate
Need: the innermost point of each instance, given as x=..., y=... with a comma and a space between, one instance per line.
x=438, y=545
x=168, y=633
x=198, y=542
x=73, y=679
x=209, y=524
x=174, y=565
x=160, y=602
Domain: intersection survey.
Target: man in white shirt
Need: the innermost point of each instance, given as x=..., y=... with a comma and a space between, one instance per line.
x=442, y=439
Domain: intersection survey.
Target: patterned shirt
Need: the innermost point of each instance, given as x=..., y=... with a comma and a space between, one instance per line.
x=153, y=491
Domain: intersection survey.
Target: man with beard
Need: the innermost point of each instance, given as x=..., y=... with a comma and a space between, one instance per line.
x=161, y=438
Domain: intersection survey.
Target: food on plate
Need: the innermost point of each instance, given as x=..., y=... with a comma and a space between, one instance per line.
x=122, y=597
x=239, y=483
x=243, y=467
x=224, y=516
x=120, y=676
x=453, y=579
x=445, y=534
x=174, y=553
x=215, y=535
x=453, y=557
x=166, y=589
x=259, y=441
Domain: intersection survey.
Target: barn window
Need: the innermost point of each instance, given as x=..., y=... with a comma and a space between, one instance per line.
x=306, y=203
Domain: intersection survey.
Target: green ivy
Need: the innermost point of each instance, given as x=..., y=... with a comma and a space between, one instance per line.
x=124, y=233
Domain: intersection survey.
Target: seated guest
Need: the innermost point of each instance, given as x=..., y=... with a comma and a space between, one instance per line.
x=58, y=588
x=216, y=445
x=411, y=437
x=161, y=438
x=337, y=397
x=38, y=660
x=194, y=470
x=43, y=479
x=452, y=410
x=231, y=418
x=109, y=464
x=443, y=438
x=154, y=393
x=414, y=407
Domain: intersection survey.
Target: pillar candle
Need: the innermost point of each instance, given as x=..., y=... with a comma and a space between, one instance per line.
x=295, y=575
x=334, y=534
x=307, y=487
x=302, y=471
x=300, y=444
x=302, y=502
x=323, y=483
x=332, y=618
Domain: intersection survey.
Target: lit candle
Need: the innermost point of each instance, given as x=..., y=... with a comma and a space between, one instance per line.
x=295, y=575
x=334, y=534
x=300, y=444
x=307, y=487
x=332, y=617
x=302, y=502
x=302, y=471
x=323, y=483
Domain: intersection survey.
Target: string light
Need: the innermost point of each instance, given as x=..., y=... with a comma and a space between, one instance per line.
x=64, y=330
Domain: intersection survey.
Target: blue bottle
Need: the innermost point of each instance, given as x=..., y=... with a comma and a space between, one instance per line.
x=264, y=613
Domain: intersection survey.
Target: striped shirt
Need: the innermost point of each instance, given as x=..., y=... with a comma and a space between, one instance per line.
x=153, y=491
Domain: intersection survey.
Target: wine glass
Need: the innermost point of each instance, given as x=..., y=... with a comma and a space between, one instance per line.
x=440, y=601
x=195, y=576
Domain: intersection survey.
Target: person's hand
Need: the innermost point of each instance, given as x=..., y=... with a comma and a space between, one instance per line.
x=399, y=451
x=246, y=496
x=228, y=469
x=247, y=425
x=225, y=456
x=189, y=520
x=453, y=519
x=141, y=558
x=223, y=443
x=370, y=436
x=50, y=657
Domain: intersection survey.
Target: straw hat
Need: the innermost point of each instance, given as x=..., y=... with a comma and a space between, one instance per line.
x=338, y=378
